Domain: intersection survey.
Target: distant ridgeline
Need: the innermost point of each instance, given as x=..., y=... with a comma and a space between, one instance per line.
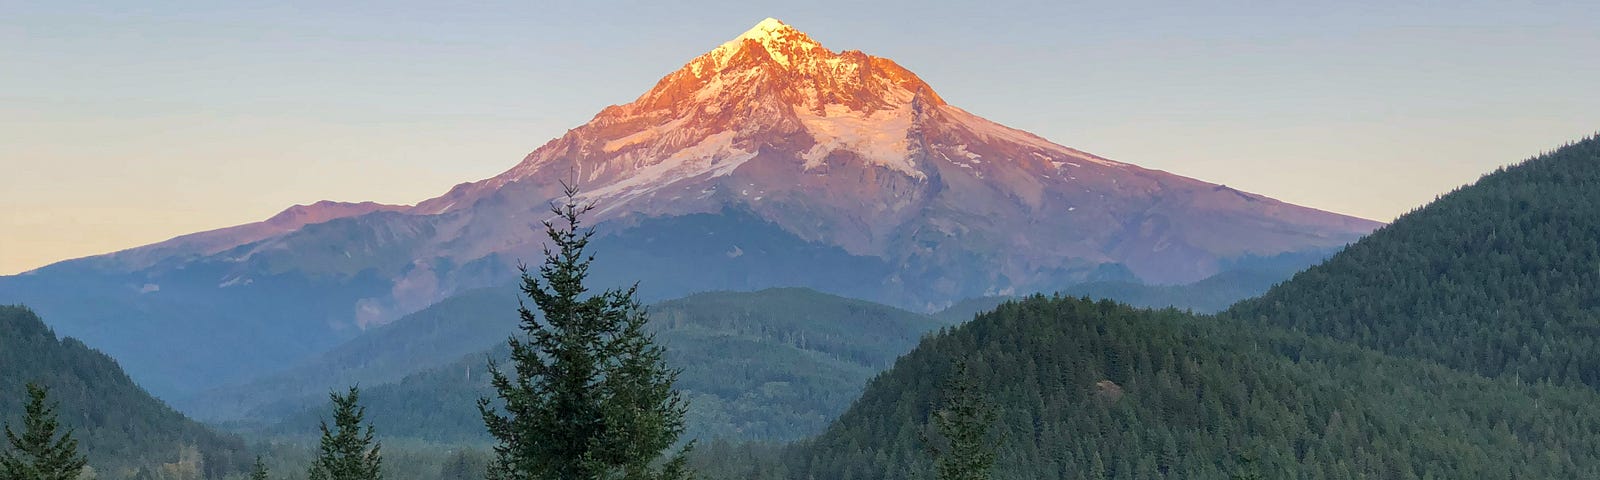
x=468, y=324
x=777, y=364
x=124, y=431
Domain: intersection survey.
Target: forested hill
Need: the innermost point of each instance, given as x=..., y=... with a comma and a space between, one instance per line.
x=1096, y=390
x=1501, y=277
x=120, y=427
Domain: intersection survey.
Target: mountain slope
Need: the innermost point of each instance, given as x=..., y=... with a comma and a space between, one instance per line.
x=775, y=364
x=435, y=336
x=1500, y=278
x=119, y=427
x=212, y=242
x=853, y=150
x=1099, y=390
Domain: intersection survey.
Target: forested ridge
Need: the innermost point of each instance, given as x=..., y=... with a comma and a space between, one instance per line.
x=1094, y=389
x=124, y=431
x=1501, y=277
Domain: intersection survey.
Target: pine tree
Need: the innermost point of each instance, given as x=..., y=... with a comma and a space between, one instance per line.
x=37, y=454
x=259, y=470
x=589, y=395
x=963, y=420
x=348, y=452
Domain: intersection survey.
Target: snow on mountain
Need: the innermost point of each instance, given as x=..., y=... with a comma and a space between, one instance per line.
x=769, y=155
x=839, y=148
x=854, y=150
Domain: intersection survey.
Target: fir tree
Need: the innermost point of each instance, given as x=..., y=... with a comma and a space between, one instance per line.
x=963, y=420
x=1249, y=467
x=348, y=452
x=259, y=470
x=37, y=454
x=589, y=395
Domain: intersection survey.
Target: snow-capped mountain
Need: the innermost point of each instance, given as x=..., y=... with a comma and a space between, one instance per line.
x=770, y=160
x=853, y=150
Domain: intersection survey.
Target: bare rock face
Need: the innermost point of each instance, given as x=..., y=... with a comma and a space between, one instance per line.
x=1108, y=391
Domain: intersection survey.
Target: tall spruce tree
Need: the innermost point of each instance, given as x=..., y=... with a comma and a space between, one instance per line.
x=589, y=396
x=967, y=452
x=259, y=470
x=37, y=454
x=348, y=451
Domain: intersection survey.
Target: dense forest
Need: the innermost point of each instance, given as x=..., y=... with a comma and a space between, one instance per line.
x=125, y=432
x=1095, y=389
x=1500, y=278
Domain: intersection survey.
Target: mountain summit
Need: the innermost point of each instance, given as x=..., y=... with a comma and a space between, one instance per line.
x=853, y=150
x=770, y=160
x=772, y=88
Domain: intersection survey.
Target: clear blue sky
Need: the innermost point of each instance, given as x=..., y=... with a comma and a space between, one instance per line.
x=126, y=123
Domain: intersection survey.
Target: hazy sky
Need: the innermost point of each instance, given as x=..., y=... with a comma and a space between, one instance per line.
x=126, y=124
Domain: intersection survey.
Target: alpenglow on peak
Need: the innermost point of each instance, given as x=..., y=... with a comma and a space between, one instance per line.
x=857, y=152
x=779, y=40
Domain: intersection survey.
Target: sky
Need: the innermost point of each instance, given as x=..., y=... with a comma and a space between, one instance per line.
x=127, y=123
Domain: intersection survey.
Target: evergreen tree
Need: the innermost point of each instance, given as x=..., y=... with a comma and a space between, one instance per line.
x=259, y=471
x=590, y=395
x=963, y=421
x=1249, y=467
x=459, y=467
x=348, y=452
x=37, y=454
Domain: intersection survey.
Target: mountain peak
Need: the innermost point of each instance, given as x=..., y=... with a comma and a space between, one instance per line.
x=780, y=41
x=766, y=28
x=854, y=150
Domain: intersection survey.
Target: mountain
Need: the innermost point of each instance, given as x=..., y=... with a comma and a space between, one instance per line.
x=774, y=160
x=119, y=427
x=776, y=364
x=1086, y=389
x=853, y=150
x=1501, y=277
